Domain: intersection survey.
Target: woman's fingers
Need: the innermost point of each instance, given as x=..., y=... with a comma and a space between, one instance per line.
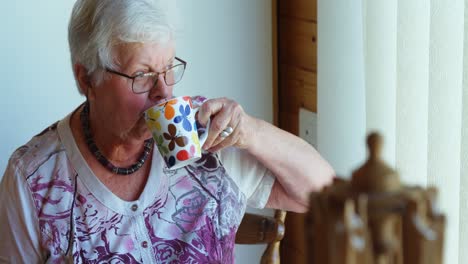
x=223, y=113
x=207, y=109
x=214, y=109
x=228, y=141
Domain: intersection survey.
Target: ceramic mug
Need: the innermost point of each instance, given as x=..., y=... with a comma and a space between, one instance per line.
x=174, y=129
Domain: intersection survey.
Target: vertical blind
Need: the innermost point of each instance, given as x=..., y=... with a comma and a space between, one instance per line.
x=416, y=69
x=399, y=67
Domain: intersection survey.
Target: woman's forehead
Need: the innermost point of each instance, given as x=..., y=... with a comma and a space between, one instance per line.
x=145, y=53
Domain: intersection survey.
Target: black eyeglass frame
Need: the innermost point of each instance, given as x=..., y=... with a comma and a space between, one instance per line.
x=182, y=62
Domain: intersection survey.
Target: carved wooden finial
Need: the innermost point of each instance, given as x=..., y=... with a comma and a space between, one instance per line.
x=374, y=144
x=375, y=175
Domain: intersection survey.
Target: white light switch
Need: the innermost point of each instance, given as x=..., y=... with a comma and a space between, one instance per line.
x=308, y=126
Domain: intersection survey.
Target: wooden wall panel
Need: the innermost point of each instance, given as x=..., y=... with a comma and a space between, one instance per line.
x=298, y=43
x=290, y=122
x=302, y=9
x=297, y=87
x=293, y=245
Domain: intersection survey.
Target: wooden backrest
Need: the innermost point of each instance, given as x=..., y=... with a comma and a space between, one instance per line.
x=261, y=229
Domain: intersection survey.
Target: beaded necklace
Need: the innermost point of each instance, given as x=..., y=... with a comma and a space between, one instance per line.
x=84, y=116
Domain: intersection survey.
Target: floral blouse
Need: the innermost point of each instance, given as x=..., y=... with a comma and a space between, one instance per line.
x=55, y=210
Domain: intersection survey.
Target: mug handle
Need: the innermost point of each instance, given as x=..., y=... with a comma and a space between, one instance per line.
x=203, y=136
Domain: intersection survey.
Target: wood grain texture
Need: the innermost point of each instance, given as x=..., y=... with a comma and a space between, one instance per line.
x=290, y=122
x=259, y=229
x=298, y=43
x=297, y=87
x=302, y=9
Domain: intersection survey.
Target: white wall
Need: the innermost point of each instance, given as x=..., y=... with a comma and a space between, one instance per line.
x=341, y=85
x=37, y=84
x=227, y=45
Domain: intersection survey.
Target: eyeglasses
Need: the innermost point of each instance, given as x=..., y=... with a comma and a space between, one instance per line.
x=142, y=83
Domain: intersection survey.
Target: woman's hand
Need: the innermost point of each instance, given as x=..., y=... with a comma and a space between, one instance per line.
x=226, y=113
x=298, y=167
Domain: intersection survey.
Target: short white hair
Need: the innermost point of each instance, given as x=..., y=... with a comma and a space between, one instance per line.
x=97, y=26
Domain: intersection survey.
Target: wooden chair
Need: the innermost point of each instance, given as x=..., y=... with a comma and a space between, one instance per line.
x=260, y=229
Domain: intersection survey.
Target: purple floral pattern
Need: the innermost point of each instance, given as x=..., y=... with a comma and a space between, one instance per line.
x=201, y=227
x=195, y=222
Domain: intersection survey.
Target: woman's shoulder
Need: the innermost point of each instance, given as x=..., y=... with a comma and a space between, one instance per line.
x=40, y=148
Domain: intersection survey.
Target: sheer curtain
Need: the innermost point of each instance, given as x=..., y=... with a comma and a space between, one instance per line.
x=415, y=70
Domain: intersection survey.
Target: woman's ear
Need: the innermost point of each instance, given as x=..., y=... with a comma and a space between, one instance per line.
x=83, y=79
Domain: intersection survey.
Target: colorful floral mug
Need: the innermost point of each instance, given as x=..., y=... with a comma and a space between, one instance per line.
x=174, y=129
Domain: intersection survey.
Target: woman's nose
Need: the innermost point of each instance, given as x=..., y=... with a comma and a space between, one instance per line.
x=160, y=90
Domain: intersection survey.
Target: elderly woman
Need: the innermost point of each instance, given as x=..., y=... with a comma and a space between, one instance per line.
x=92, y=188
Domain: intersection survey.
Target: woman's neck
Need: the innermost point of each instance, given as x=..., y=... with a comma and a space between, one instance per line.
x=121, y=150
